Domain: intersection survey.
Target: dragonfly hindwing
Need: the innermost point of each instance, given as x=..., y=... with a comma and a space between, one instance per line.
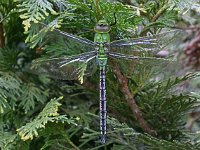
x=67, y=68
x=82, y=69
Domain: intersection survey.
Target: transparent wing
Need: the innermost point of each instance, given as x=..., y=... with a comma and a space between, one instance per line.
x=151, y=44
x=134, y=57
x=66, y=68
x=144, y=65
x=59, y=42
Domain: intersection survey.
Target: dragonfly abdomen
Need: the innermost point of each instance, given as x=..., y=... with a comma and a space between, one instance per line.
x=102, y=103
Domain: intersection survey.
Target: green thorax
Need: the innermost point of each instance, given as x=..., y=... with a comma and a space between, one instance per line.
x=102, y=36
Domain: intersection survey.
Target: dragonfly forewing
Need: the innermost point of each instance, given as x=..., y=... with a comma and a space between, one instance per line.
x=67, y=68
x=61, y=43
x=149, y=44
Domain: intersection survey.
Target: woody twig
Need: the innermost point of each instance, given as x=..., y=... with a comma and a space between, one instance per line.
x=123, y=82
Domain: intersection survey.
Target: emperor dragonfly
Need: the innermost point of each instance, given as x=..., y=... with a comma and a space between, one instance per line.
x=98, y=53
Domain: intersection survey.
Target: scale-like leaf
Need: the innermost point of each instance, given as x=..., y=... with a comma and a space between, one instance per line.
x=48, y=114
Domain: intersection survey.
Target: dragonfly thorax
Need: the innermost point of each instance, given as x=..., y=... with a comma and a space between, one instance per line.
x=101, y=39
x=102, y=27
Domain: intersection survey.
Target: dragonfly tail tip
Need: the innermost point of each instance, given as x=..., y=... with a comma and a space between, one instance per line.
x=103, y=139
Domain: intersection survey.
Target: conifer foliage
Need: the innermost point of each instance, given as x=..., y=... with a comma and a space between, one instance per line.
x=38, y=112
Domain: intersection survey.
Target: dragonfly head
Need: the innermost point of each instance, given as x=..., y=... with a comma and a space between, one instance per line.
x=102, y=26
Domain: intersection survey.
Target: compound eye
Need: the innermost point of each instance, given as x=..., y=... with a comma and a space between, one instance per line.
x=102, y=28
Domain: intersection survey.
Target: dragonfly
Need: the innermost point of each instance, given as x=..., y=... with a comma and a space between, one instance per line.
x=96, y=54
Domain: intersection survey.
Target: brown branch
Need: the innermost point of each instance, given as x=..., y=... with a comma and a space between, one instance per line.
x=2, y=38
x=195, y=28
x=127, y=2
x=159, y=13
x=98, y=9
x=90, y=85
x=123, y=82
